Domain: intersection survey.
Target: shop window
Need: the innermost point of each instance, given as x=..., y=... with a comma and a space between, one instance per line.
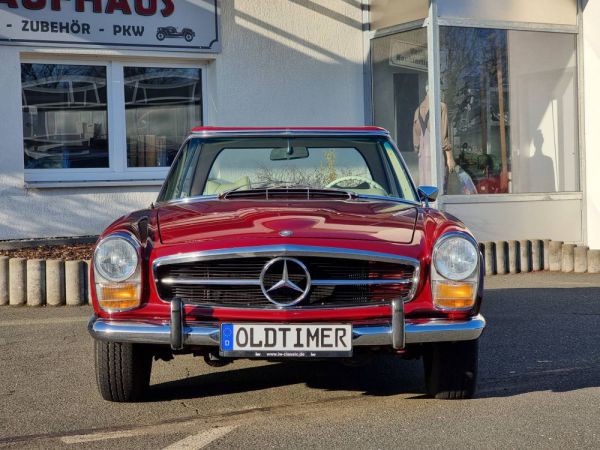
x=65, y=118
x=162, y=105
x=512, y=111
x=536, y=11
x=106, y=121
x=400, y=97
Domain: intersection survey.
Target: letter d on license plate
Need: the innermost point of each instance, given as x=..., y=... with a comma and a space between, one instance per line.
x=286, y=340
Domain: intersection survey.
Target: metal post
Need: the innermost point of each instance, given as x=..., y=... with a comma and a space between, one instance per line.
x=433, y=57
x=398, y=333
x=176, y=324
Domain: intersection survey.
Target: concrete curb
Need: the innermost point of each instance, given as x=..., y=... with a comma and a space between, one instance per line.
x=36, y=282
x=4, y=298
x=75, y=283
x=39, y=282
x=503, y=257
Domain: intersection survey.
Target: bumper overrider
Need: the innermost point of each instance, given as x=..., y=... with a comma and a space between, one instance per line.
x=397, y=334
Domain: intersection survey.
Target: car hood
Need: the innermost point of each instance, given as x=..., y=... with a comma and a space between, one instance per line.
x=359, y=219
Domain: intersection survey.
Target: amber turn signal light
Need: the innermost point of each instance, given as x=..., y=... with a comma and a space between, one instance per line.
x=119, y=296
x=454, y=295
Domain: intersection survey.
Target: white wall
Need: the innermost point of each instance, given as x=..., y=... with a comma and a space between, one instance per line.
x=284, y=62
x=591, y=61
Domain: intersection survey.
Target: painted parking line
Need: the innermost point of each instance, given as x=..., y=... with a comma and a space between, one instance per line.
x=196, y=441
x=46, y=321
x=86, y=438
x=201, y=440
x=168, y=428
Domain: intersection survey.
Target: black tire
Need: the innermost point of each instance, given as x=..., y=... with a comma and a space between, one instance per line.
x=160, y=36
x=451, y=369
x=122, y=370
x=188, y=37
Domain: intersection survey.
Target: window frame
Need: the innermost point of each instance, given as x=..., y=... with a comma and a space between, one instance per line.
x=117, y=170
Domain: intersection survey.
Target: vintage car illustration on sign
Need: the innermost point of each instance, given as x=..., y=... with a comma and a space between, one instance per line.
x=287, y=243
x=171, y=32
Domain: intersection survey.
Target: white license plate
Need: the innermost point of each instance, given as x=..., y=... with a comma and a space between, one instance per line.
x=286, y=340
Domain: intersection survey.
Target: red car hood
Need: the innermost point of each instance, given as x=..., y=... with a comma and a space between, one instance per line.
x=202, y=220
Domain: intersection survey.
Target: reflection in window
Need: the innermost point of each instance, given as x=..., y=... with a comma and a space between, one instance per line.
x=400, y=96
x=64, y=116
x=161, y=105
x=512, y=110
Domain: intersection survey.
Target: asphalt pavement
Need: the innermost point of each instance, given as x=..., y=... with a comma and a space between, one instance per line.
x=539, y=387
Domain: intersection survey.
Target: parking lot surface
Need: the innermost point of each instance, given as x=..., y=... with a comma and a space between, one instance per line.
x=539, y=387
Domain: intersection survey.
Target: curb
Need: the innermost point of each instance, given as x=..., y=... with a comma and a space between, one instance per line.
x=40, y=282
x=503, y=257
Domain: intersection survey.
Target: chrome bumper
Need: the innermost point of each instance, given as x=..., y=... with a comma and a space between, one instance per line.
x=399, y=333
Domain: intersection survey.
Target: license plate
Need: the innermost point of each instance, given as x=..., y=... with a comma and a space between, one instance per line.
x=286, y=340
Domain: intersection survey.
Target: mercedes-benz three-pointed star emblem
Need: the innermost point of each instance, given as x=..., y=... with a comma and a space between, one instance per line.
x=297, y=281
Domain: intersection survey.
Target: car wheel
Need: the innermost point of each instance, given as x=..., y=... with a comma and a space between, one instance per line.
x=451, y=369
x=188, y=37
x=160, y=36
x=122, y=370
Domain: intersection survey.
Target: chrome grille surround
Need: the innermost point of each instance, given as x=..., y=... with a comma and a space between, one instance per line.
x=288, y=250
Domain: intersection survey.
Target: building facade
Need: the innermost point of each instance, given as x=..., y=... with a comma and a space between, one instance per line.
x=494, y=102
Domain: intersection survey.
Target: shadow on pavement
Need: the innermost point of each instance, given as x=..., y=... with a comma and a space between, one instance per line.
x=385, y=375
x=544, y=339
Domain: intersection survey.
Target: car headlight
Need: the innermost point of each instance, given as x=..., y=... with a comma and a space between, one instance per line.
x=455, y=257
x=116, y=259
x=455, y=274
x=117, y=273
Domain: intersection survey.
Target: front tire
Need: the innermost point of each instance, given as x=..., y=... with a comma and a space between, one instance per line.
x=451, y=369
x=122, y=370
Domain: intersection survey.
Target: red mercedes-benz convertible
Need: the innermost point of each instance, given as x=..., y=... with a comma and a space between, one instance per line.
x=287, y=243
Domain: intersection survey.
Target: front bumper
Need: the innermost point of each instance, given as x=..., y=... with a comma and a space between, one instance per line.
x=397, y=334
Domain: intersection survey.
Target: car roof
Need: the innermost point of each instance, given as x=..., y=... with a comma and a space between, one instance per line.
x=288, y=131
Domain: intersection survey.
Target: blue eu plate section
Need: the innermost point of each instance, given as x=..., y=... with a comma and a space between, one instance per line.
x=227, y=337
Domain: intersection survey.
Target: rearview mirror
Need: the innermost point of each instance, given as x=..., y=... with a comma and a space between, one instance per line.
x=428, y=194
x=285, y=153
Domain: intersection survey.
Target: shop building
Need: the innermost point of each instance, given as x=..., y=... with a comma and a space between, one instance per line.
x=98, y=95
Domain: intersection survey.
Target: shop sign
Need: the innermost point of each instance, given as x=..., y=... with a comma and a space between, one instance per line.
x=409, y=55
x=171, y=25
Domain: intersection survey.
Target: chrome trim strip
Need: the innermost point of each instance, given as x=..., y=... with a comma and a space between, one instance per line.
x=290, y=132
x=274, y=251
x=207, y=334
x=243, y=282
x=282, y=250
x=360, y=282
x=209, y=282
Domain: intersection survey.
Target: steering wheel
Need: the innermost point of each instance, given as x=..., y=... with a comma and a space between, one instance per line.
x=372, y=183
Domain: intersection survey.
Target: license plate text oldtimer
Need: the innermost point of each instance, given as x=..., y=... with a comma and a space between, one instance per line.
x=285, y=340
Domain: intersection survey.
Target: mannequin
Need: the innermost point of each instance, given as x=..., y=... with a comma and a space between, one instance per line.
x=421, y=142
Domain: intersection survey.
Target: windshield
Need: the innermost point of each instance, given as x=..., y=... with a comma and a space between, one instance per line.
x=367, y=166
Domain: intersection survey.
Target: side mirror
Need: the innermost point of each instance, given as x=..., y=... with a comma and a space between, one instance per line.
x=428, y=194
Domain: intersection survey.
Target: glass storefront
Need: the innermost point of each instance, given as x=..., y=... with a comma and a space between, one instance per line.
x=512, y=109
x=508, y=98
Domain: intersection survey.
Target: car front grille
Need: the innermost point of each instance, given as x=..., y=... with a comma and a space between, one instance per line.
x=236, y=281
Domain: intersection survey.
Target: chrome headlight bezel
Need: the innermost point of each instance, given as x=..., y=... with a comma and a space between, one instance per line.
x=131, y=244
x=455, y=293
x=439, y=247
